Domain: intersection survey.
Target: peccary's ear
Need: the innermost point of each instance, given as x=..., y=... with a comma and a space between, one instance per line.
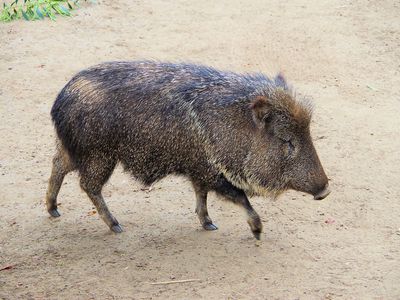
x=280, y=81
x=261, y=110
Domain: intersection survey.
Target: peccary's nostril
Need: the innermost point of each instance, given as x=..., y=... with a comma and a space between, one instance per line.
x=322, y=194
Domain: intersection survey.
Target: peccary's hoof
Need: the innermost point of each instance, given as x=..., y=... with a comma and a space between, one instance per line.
x=116, y=228
x=54, y=213
x=257, y=234
x=210, y=226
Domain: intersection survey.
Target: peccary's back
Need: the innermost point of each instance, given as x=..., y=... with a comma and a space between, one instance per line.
x=154, y=117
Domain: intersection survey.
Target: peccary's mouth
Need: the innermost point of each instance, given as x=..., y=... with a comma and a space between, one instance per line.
x=322, y=194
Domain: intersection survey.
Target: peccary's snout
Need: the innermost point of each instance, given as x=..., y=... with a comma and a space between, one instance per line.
x=321, y=184
x=320, y=189
x=309, y=175
x=322, y=193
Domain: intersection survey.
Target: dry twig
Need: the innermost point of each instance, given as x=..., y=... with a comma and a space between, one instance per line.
x=174, y=281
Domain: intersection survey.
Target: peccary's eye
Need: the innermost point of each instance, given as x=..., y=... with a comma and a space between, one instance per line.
x=290, y=147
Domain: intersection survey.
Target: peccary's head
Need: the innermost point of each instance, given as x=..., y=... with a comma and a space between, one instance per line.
x=282, y=154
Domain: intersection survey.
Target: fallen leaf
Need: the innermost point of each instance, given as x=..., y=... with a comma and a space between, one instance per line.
x=7, y=268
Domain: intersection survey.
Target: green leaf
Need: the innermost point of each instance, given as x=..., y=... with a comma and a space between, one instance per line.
x=65, y=10
x=51, y=15
x=30, y=13
x=60, y=10
x=37, y=9
x=55, y=8
x=13, y=13
x=38, y=12
x=25, y=15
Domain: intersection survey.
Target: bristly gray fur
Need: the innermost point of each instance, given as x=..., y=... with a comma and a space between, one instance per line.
x=139, y=112
x=228, y=132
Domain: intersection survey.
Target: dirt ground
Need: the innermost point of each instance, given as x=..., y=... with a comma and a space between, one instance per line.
x=342, y=54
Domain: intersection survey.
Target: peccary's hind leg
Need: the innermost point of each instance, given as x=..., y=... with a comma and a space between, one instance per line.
x=94, y=174
x=201, y=208
x=225, y=188
x=62, y=165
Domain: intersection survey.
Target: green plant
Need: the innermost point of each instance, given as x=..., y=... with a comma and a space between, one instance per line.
x=36, y=9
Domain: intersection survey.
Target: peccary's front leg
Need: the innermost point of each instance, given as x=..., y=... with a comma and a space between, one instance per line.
x=201, y=208
x=225, y=188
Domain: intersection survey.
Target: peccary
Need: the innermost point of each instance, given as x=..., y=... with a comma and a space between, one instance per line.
x=238, y=135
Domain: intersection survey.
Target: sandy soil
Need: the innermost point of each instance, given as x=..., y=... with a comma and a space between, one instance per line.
x=343, y=54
